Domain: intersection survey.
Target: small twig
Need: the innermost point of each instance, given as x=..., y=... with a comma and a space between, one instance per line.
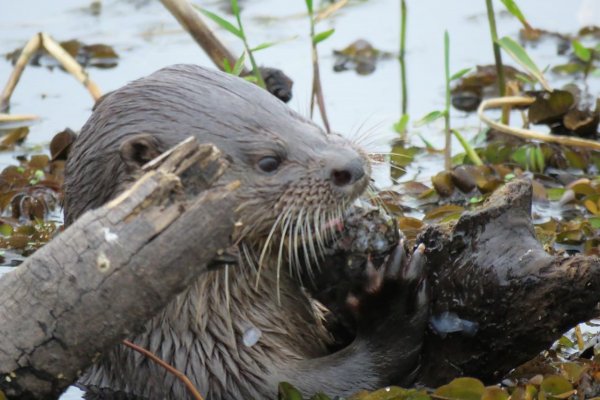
x=527, y=133
x=30, y=48
x=69, y=64
x=326, y=13
x=178, y=374
x=317, y=88
x=447, y=129
x=17, y=117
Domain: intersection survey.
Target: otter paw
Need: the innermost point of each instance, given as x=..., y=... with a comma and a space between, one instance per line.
x=393, y=295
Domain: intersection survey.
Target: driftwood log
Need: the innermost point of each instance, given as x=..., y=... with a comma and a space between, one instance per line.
x=513, y=298
x=103, y=277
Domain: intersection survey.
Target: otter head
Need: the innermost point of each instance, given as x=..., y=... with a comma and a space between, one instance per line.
x=294, y=177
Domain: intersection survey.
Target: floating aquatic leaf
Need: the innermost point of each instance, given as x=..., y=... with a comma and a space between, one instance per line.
x=494, y=393
x=550, y=107
x=574, y=371
x=556, y=386
x=442, y=182
x=14, y=137
x=461, y=389
x=443, y=212
x=6, y=230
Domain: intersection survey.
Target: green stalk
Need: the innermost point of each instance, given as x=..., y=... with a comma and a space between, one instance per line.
x=255, y=70
x=497, y=54
x=401, y=56
x=471, y=153
x=448, y=148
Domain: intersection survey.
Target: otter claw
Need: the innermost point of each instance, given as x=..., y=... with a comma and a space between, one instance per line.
x=414, y=269
x=398, y=285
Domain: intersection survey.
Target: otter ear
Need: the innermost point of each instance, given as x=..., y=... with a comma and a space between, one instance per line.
x=138, y=150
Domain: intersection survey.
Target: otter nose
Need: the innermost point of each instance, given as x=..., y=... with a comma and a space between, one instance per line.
x=347, y=173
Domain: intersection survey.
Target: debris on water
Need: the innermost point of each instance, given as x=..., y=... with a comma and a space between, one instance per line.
x=450, y=322
x=251, y=336
x=359, y=56
x=88, y=55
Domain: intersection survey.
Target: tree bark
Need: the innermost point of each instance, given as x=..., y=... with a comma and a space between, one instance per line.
x=114, y=268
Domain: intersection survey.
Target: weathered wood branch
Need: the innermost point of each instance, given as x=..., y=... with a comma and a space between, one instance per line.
x=103, y=277
x=489, y=271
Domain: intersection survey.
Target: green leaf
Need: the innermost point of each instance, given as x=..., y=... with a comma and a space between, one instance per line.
x=235, y=7
x=461, y=388
x=239, y=65
x=319, y=37
x=309, y=6
x=582, y=52
x=288, y=392
x=460, y=74
x=251, y=78
x=6, y=230
x=228, y=26
x=400, y=126
x=519, y=54
x=262, y=46
x=427, y=143
x=514, y=9
x=226, y=66
x=429, y=118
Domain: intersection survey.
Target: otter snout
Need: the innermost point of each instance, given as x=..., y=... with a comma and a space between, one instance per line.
x=348, y=173
x=347, y=170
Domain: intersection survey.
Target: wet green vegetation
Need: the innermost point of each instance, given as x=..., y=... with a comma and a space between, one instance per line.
x=556, y=98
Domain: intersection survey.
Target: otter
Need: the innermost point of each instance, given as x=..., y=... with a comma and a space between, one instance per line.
x=238, y=331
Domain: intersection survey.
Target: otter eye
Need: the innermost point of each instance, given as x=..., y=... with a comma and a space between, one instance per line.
x=269, y=163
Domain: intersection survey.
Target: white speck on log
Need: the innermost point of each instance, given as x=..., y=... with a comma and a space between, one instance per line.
x=110, y=236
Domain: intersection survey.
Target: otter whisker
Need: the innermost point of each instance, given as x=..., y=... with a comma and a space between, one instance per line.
x=290, y=236
x=318, y=238
x=306, y=237
x=248, y=256
x=296, y=231
x=266, y=246
x=360, y=136
x=280, y=254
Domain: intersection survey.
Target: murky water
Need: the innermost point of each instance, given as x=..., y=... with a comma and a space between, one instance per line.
x=147, y=38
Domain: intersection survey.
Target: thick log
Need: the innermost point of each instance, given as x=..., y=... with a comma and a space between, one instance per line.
x=114, y=268
x=499, y=295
